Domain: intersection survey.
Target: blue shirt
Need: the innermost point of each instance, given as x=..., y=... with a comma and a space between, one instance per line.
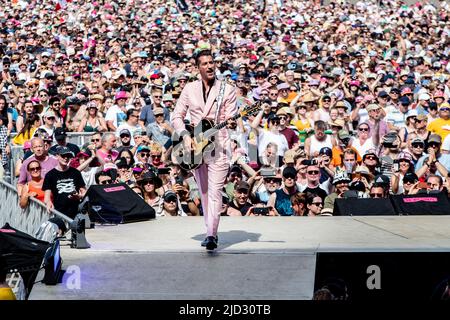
x=444, y=159
x=148, y=117
x=283, y=203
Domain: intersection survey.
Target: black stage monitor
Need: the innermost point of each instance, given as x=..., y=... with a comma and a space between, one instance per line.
x=421, y=204
x=363, y=207
x=117, y=203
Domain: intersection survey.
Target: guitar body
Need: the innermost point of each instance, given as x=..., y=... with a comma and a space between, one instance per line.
x=203, y=135
x=192, y=160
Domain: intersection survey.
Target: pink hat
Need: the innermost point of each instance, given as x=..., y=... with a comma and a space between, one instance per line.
x=355, y=83
x=27, y=144
x=406, y=91
x=121, y=95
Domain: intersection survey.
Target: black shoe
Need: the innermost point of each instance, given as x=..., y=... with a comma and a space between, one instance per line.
x=211, y=243
x=204, y=242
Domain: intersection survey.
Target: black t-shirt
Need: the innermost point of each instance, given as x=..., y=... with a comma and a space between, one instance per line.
x=243, y=209
x=62, y=184
x=317, y=190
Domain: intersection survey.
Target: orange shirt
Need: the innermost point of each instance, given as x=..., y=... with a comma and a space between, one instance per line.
x=337, y=159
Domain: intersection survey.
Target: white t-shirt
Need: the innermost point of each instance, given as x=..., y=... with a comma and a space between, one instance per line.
x=265, y=137
x=116, y=115
x=446, y=143
x=363, y=148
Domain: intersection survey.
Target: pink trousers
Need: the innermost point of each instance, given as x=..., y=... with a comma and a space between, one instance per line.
x=210, y=178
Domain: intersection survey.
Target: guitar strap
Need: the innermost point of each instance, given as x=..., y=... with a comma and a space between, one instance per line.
x=219, y=101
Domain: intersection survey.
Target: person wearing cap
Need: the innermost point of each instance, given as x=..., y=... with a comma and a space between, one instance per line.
x=64, y=186
x=441, y=125
x=410, y=183
x=116, y=114
x=340, y=183
x=280, y=200
x=60, y=136
x=147, y=115
x=160, y=131
x=434, y=162
x=49, y=119
x=131, y=124
x=240, y=205
x=416, y=147
x=170, y=205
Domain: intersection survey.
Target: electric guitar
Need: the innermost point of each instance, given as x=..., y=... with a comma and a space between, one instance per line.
x=203, y=135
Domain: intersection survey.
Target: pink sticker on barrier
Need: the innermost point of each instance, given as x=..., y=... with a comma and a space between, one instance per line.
x=428, y=199
x=7, y=231
x=114, y=189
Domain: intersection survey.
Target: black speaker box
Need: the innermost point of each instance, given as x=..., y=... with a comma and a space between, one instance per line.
x=421, y=204
x=117, y=203
x=363, y=207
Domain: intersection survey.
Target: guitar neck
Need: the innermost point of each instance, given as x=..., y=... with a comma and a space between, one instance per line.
x=223, y=124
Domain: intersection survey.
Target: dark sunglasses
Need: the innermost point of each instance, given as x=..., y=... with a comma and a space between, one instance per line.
x=318, y=204
x=313, y=172
x=272, y=180
x=34, y=169
x=145, y=154
x=106, y=181
x=418, y=145
x=376, y=195
x=289, y=176
x=371, y=158
x=95, y=140
x=125, y=136
x=363, y=129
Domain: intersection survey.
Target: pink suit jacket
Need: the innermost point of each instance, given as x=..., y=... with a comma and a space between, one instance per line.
x=191, y=102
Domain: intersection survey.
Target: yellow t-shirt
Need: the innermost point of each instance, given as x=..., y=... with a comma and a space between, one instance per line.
x=7, y=294
x=440, y=127
x=20, y=139
x=302, y=125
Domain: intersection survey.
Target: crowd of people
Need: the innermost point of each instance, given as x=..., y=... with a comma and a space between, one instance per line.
x=354, y=100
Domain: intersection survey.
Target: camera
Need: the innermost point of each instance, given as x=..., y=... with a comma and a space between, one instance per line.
x=163, y=171
x=268, y=172
x=261, y=211
x=179, y=180
x=388, y=145
x=312, y=162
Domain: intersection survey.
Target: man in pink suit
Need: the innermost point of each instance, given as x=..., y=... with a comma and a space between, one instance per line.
x=198, y=101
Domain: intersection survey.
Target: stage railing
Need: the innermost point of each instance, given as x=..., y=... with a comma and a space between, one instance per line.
x=27, y=220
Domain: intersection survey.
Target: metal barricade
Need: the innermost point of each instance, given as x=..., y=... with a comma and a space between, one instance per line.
x=78, y=138
x=26, y=220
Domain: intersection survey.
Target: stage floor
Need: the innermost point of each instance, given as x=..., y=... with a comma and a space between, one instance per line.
x=258, y=257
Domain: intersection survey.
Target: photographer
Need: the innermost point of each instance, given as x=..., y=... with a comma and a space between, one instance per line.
x=268, y=180
x=181, y=189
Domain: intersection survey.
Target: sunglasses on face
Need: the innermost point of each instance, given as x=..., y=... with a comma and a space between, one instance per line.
x=124, y=136
x=290, y=176
x=444, y=109
x=317, y=204
x=156, y=156
x=145, y=155
x=313, y=172
x=363, y=129
x=371, y=158
x=272, y=180
x=108, y=181
x=34, y=169
x=66, y=156
x=418, y=145
x=376, y=195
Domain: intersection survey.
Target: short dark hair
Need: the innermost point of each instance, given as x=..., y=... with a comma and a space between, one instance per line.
x=202, y=53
